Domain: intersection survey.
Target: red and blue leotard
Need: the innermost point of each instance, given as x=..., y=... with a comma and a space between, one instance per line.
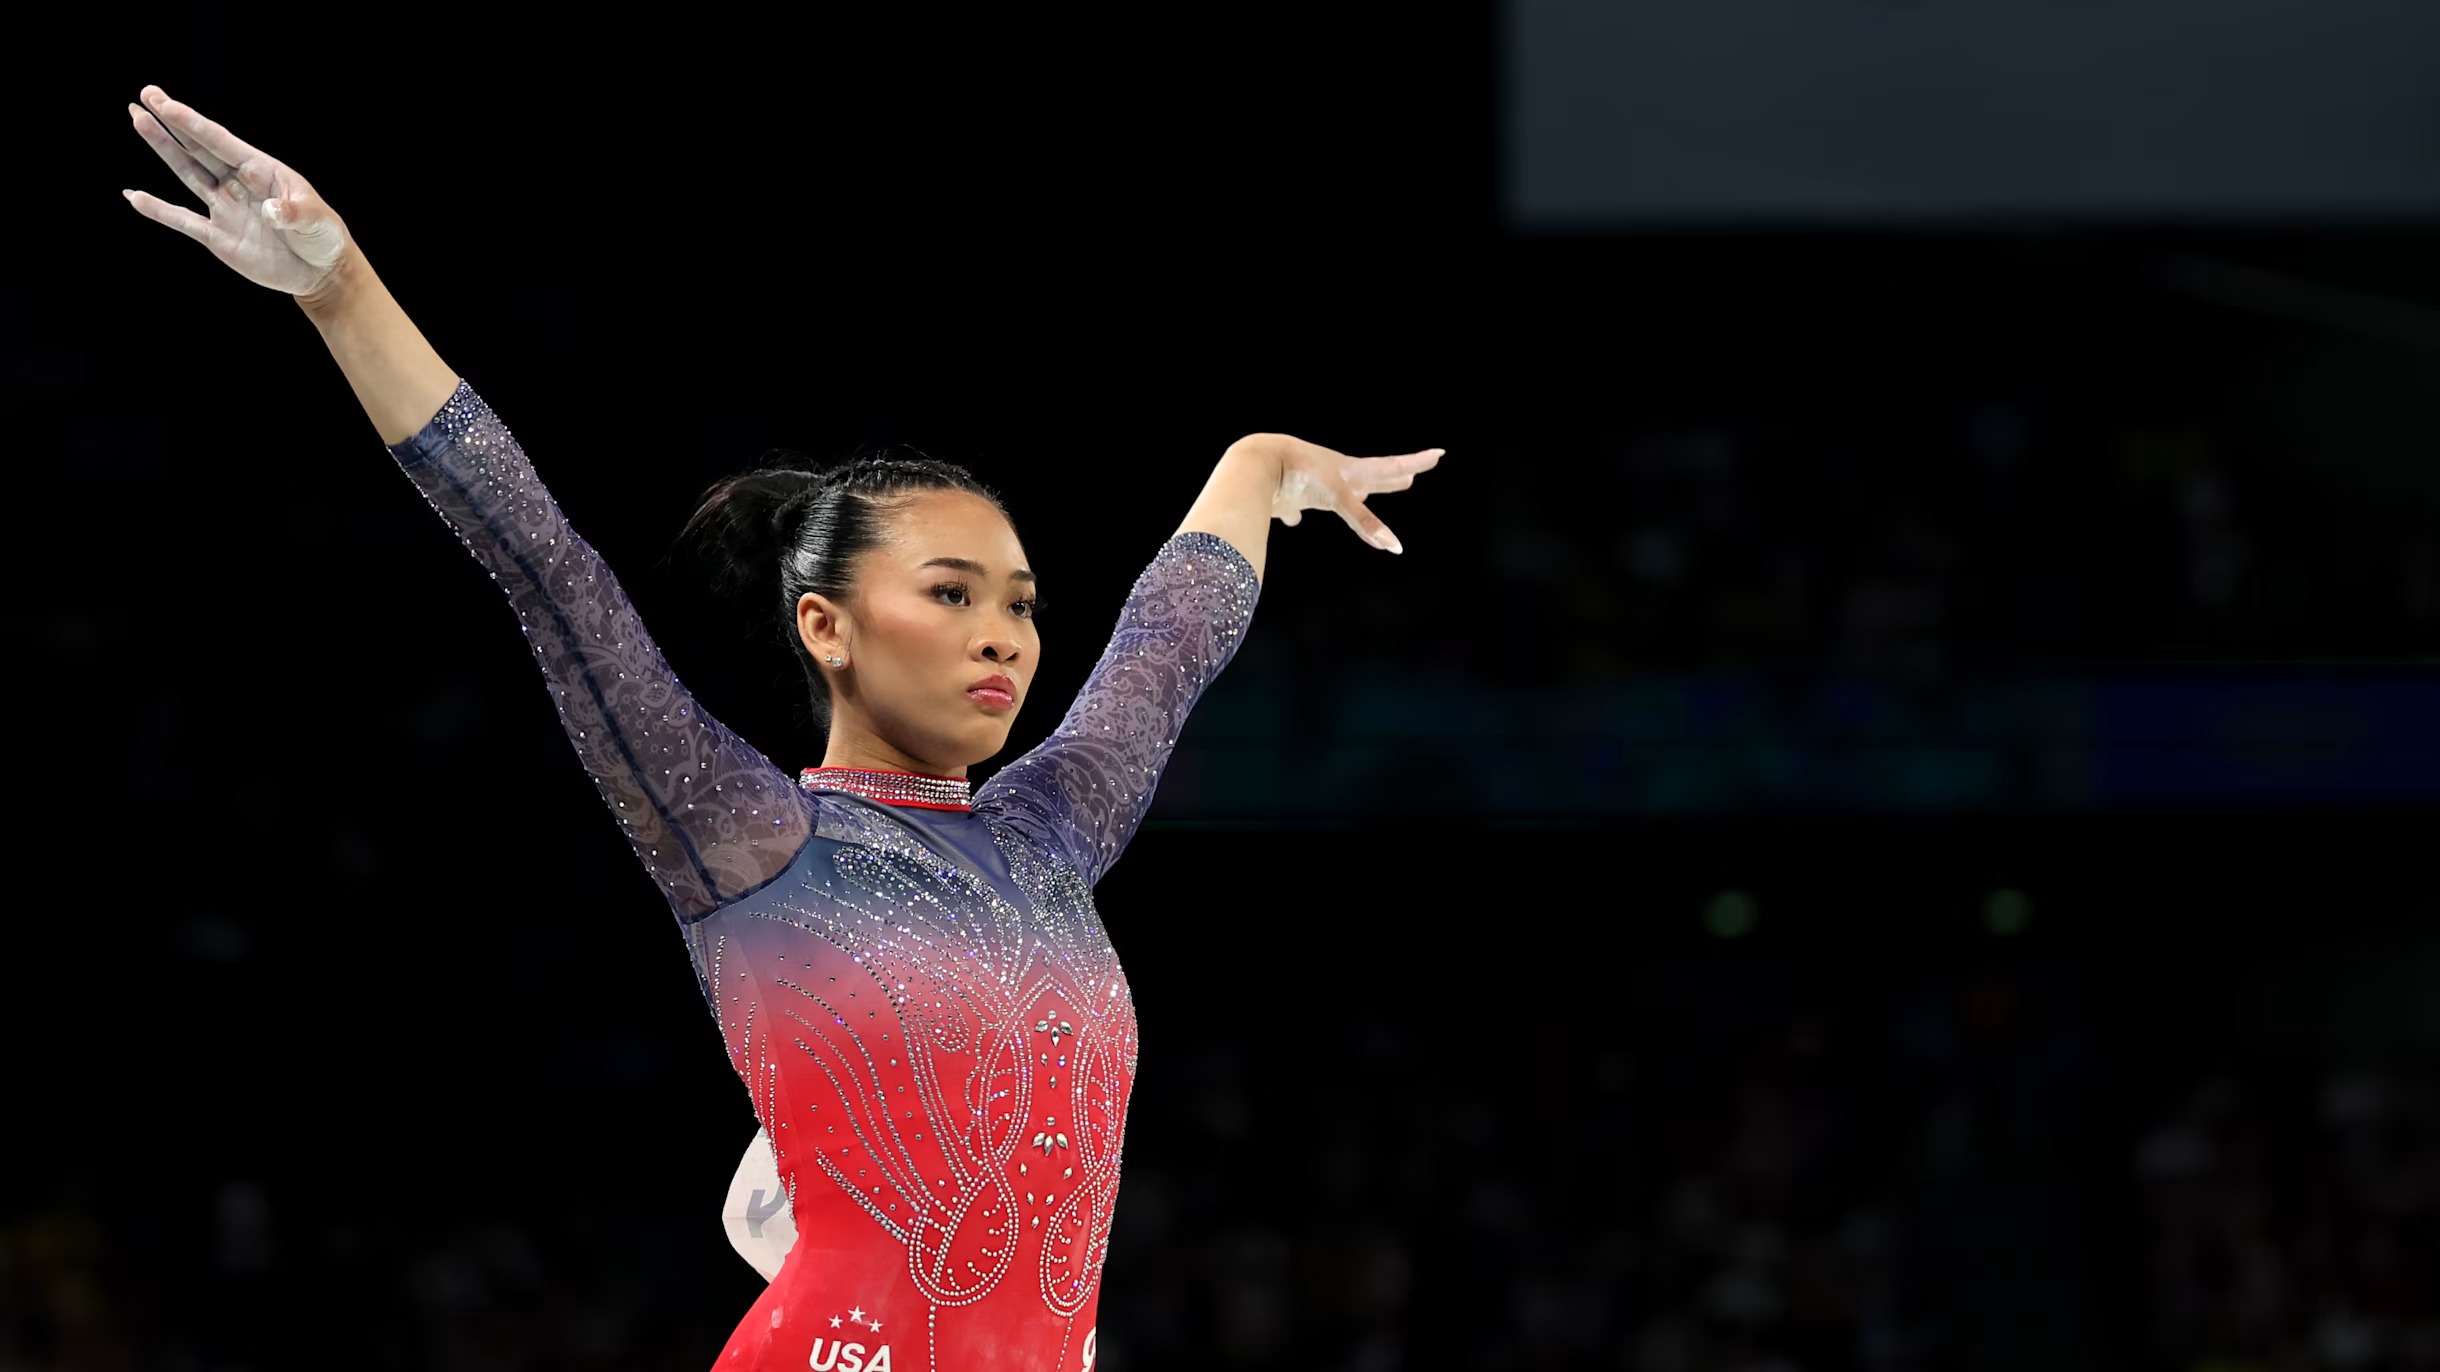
x=920, y=999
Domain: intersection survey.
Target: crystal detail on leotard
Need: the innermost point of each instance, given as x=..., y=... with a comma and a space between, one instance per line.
x=710, y=816
x=891, y=788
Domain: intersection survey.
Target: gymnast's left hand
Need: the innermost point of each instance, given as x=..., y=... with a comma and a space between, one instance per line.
x=1312, y=477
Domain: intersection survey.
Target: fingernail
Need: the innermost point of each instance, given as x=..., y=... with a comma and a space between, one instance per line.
x=131, y=196
x=1390, y=541
x=271, y=210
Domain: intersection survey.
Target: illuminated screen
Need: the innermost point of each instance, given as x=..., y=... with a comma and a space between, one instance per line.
x=1633, y=112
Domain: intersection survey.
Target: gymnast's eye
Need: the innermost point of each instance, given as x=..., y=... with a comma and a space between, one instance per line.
x=1027, y=608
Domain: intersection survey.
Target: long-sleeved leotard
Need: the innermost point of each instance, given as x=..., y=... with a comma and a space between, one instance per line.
x=922, y=1003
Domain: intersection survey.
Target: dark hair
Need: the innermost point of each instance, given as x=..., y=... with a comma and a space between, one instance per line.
x=781, y=530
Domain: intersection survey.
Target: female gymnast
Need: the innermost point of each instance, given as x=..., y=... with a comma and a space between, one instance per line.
x=909, y=976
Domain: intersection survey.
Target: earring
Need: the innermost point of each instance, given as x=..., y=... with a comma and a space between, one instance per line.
x=836, y=661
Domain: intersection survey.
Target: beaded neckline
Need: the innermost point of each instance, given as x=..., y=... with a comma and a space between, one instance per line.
x=921, y=790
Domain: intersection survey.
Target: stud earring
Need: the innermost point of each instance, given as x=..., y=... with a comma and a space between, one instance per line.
x=836, y=660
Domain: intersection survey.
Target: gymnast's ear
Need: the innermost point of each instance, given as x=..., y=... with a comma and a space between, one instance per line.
x=822, y=626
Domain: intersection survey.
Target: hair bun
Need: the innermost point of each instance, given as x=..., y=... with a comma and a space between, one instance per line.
x=745, y=522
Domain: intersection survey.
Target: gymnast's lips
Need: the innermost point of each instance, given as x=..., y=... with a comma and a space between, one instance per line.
x=995, y=692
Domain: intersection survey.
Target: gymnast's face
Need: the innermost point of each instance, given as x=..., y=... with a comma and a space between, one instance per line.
x=945, y=600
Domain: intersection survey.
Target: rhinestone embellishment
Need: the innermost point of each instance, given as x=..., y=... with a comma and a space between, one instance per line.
x=891, y=788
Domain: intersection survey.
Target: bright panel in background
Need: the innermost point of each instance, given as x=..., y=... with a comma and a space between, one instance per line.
x=1628, y=113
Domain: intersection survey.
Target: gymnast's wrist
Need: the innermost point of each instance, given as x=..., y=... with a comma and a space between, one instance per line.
x=348, y=287
x=1264, y=451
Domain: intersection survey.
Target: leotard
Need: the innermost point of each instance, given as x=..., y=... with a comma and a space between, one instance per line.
x=920, y=999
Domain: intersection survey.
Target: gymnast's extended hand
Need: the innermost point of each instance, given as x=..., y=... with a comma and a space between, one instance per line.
x=270, y=226
x=1312, y=477
x=265, y=220
x=1267, y=476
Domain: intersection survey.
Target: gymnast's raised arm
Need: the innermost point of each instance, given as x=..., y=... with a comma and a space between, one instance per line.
x=1087, y=787
x=710, y=817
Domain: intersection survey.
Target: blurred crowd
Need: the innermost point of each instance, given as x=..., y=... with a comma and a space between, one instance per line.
x=1996, y=608
x=1985, y=539
x=1737, y=1173
x=2293, y=1220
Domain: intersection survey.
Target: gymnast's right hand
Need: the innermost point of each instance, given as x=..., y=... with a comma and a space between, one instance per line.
x=265, y=220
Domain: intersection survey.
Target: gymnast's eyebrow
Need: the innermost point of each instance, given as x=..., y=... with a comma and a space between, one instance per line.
x=973, y=568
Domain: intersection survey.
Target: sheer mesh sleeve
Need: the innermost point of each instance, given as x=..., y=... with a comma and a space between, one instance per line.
x=1086, y=787
x=711, y=818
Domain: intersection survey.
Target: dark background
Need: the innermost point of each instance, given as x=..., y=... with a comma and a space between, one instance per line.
x=1884, y=819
